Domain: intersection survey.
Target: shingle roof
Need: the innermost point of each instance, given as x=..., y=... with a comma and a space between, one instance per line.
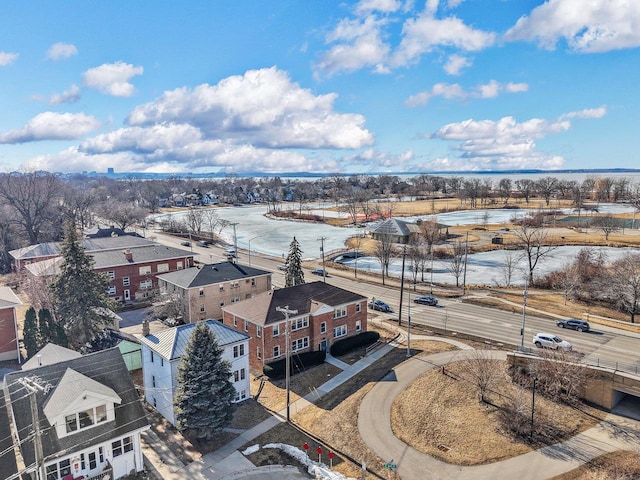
x=211, y=274
x=172, y=342
x=50, y=354
x=143, y=254
x=394, y=226
x=90, y=245
x=8, y=299
x=106, y=367
x=305, y=298
x=8, y=465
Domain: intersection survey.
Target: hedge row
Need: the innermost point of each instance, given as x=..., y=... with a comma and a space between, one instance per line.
x=299, y=362
x=351, y=343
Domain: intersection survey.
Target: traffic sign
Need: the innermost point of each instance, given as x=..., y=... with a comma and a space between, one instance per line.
x=390, y=464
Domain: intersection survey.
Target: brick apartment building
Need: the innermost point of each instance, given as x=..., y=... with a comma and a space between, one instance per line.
x=204, y=290
x=8, y=326
x=325, y=314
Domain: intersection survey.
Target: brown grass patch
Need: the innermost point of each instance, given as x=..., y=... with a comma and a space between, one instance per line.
x=450, y=413
x=620, y=465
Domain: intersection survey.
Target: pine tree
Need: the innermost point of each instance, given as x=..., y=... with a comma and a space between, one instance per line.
x=79, y=293
x=204, y=398
x=50, y=331
x=31, y=333
x=294, y=274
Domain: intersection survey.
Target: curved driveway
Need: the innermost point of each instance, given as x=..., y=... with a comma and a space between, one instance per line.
x=374, y=424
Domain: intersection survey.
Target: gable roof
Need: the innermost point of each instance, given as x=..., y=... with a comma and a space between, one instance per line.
x=105, y=367
x=211, y=274
x=90, y=244
x=172, y=342
x=8, y=464
x=49, y=355
x=8, y=299
x=307, y=298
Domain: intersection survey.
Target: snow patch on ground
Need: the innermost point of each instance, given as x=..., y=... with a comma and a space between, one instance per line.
x=251, y=449
x=320, y=470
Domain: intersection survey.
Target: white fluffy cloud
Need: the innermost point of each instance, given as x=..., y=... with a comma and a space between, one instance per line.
x=385, y=6
x=455, y=91
x=506, y=143
x=71, y=95
x=455, y=64
x=61, y=50
x=376, y=160
x=587, y=26
x=7, y=58
x=52, y=126
x=112, y=78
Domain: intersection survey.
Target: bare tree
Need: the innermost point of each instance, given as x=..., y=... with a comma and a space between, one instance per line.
x=566, y=280
x=483, y=371
x=559, y=375
x=383, y=251
x=508, y=266
x=547, y=186
x=195, y=219
x=122, y=214
x=456, y=261
x=505, y=188
x=534, y=242
x=625, y=283
x=607, y=224
x=417, y=257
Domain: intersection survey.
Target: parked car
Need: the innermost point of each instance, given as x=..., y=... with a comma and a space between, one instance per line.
x=548, y=340
x=185, y=244
x=426, y=300
x=380, y=306
x=203, y=243
x=320, y=272
x=579, y=325
x=283, y=267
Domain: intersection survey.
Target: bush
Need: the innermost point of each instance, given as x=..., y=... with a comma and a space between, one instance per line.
x=348, y=344
x=299, y=363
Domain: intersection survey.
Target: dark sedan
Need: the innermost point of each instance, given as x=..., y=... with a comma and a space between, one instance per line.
x=574, y=323
x=426, y=300
x=380, y=306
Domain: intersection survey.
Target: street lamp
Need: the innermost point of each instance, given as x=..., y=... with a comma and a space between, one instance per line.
x=533, y=402
x=250, y=247
x=524, y=314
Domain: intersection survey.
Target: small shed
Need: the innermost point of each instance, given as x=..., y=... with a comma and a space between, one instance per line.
x=497, y=240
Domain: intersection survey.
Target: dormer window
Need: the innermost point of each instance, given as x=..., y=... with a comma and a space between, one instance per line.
x=85, y=418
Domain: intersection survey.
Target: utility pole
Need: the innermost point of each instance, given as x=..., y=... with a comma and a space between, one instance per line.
x=324, y=272
x=409, y=325
x=32, y=386
x=464, y=275
x=287, y=312
x=235, y=243
x=524, y=313
x=404, y=254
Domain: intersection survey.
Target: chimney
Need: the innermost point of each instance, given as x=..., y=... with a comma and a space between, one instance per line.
x=39, y=360
x=128, y=255
x=145, y=327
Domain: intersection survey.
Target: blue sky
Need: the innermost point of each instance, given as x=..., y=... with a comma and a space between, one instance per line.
x=319, y=86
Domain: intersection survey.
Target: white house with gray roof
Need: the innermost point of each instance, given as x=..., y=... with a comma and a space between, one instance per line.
x=163, y=351
x=204, y=290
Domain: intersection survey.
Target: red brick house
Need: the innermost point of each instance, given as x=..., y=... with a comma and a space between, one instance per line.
x=325, y=313
x=9, y=349
x=132, y=271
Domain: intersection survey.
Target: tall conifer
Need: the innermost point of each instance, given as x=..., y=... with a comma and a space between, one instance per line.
x=294, y=274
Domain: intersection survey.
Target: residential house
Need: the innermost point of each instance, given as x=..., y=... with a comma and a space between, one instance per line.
x=323, y=314
x=88, y=413
x=132, y=271
x=50, y=354
x=202, y=291
x=9, y=347
x=163, y=351
x=397, y=231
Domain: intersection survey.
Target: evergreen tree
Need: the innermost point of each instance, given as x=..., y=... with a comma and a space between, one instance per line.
x=294, y=274
x=31, y=333
x=50, y=331
x=204, y=398
x=79, y=293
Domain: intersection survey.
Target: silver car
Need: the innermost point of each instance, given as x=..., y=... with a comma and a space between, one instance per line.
x=548, y=340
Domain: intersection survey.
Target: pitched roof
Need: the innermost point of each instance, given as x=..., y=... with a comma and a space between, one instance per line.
x=142, y=254
x=49, y=355
x=306, y=298
x=90, y=245
x=172, y=342
x=8, y=299
x=8, y=465
x=395, y=226
x=211, y=274
x=107, y=368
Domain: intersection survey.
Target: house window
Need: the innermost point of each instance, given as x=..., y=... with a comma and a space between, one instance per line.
x=241, y=395
x=299, y=323
x=145, y=270
x=151, y=356
x=101, y=413
x=238, y=351
x=202, y=292
x=145, y=284
x=253, y=282
x=85, y=418
x=153, y=381
x=155, y=402
x=122, y=446
x=59, y=470
x=163, y=267
x=202, y=309
x=111, y=290
x=340, y=312
x=323, y=327
x=235, y=299
x=358, y=307
x=126, y=282
x=111, y=275
x=358, y=326
x=161, y=362
x=222, y=288
x=276, y=330
x=92, y=461
x=235, y=321
x=258, y=353
x=246, y=326
x=300, y=344
x=258, y=332
x=222, y=303
x=276, y=351
x=178, y=265
x=340, y=331
x=239, y=375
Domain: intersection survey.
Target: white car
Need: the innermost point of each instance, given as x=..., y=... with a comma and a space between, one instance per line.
x=548, y=340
